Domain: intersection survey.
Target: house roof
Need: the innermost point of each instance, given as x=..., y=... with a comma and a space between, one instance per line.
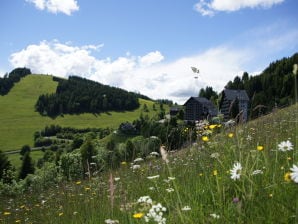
x=231, y=94
x=207, y=103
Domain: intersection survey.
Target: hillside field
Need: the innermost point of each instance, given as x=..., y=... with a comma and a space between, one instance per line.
x=19, y=120
x=244, y=174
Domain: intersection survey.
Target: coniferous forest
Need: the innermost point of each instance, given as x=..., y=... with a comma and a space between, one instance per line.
x=7, y=82
x=78, y=95
x=274, y=87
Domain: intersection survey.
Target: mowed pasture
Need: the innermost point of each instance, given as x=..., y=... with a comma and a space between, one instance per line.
x=19, y=120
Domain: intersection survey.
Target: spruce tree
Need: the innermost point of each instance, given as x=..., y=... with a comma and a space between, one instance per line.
x=27, y=166
x=4, y=164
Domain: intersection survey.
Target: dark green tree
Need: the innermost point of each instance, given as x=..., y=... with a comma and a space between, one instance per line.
x=27, y=166
x=234, y=108
x=87, y=151
x=208, y=92
x=24, y=149
x=77, y=143
x=130, y=150
x=5, y=164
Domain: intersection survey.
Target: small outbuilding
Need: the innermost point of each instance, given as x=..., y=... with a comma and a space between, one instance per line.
x=199, y=108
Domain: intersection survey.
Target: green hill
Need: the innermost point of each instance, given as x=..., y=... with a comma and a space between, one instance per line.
x=19, y=121
x=244, y=174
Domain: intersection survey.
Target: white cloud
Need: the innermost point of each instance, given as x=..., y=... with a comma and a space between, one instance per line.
x=151, y=58
x=56, y=6
x=151, y=74
x=55, y=58
x=209, y=7
x=145, y=74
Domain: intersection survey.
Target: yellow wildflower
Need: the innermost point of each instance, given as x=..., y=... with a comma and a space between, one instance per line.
x=123, y=163
x=6, y=213
x=212, y=126
x=61, y=213
x=138, y=215
x=260, y=148
x=205, y=138
x=200, y=174
x=215, y=172
x=231, y=135
x=87, y=188
x=18, y=221
x=270, y=195
x=78, y=182
x=287, y=177
x=289, y=158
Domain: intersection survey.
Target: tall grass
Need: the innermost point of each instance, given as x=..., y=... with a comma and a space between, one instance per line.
x=195, y=186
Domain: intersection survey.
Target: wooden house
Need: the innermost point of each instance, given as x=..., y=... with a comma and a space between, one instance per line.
x=199, y=108
x=230, y=96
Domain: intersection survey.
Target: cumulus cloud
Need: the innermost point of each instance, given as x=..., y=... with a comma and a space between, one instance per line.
x=147, y=74
x=55, y=6
x=151, y=58
x=55, y=58
x=64, y=59
x=151, y=74
x=209, y=7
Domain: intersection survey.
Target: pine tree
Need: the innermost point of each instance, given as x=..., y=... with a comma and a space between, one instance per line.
x=27, y=166
x=4, y=164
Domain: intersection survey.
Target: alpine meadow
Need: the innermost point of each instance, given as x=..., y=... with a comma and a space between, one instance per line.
x=149, y=112
x=145, y=165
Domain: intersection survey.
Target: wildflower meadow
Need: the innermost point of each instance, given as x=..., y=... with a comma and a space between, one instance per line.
x=244, y=174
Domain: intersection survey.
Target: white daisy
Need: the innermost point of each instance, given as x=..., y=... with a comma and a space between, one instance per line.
x=153, y=177
x=154, y=154
x=285, y=146
x=138, y=160
x=110, y=221
x=186, y=208
x=215, y=155
x=215, y=216
x=136, y=167
x=294, y=174
x=235, y=172
x=255, y=172
x=170, y=190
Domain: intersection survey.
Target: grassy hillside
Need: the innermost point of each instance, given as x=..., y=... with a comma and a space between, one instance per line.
x=19, y=121
x=200, y=184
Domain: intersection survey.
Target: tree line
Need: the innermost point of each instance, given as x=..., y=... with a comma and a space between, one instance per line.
x=80, y=95
x=8, y=81
x=274, y=87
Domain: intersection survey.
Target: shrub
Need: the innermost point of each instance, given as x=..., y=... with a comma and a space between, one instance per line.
x=71, y=165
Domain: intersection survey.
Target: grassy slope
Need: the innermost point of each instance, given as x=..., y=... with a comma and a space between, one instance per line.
x=19, y=121
x=212, y=198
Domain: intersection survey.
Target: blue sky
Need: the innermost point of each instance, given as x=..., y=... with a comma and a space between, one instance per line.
x=148, y=46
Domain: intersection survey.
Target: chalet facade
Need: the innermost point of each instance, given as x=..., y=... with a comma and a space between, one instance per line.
x=230, y=96
x=199, y=108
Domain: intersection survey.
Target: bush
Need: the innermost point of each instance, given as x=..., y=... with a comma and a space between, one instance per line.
x=39, y=142
x=71, y=165
x=44, y=177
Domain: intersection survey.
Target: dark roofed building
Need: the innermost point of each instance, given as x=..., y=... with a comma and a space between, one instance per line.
x=174, y=111
x=229, y=96
x=199, y=108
